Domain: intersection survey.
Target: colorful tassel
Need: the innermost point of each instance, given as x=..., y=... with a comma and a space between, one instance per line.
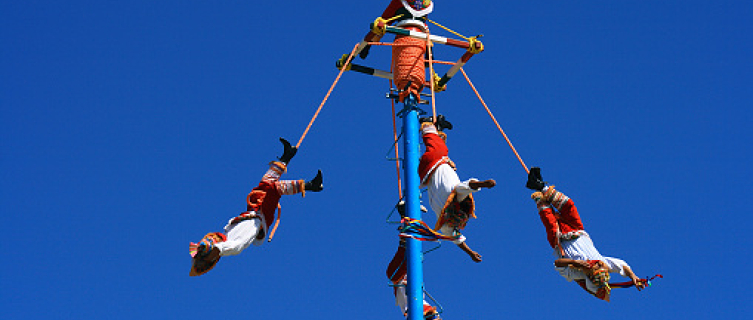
x=417, y=229
x=628, y=284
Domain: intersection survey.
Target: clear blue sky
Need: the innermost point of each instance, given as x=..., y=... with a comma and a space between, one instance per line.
x=131, y=128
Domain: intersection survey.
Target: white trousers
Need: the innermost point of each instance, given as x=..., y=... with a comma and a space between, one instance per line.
x=401, y=298
x=239, y=236
x=440, y=185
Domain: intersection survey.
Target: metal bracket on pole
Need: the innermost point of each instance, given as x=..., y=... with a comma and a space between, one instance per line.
x=410, y=102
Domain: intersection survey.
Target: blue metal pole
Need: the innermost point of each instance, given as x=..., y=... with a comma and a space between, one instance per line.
x=415, y=288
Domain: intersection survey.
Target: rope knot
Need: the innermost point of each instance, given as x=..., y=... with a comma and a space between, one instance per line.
x=474, y=45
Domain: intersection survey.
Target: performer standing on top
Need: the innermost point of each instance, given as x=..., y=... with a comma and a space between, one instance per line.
x=408, y=54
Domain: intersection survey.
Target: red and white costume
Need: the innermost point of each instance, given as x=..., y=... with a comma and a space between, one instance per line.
x=251, y=226
x=444, y=188
x=397, y=272
x=564, y=230
x=412, y=11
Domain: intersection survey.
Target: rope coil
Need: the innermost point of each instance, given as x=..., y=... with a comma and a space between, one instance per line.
x=408, y=65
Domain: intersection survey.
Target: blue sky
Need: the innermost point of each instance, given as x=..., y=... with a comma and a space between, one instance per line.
x=130, y=129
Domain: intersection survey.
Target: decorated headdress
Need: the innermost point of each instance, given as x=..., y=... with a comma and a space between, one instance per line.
x=598, y=274
x=418, y=8
x=201, y=263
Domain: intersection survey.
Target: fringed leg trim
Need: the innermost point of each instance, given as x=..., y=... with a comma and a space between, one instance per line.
x=559, y=199
x=428, y=127
x=288, y=187
x=539, y=197
x=276, y=169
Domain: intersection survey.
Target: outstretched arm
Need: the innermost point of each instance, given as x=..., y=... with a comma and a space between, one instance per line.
x=564, y=262
x=475, y=256
x=475, y=184
x=639, y=284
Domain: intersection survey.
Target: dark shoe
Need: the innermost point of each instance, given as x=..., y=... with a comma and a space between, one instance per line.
x=316, y=184
x=442, y=123
x=535, y=182
x=288, y=152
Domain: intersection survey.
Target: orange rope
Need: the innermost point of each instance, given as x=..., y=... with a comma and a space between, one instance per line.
x=431, y=75
x=277, y=223
x=350, y=57
x=495, y=120
x=389, y=44
x=397, y=154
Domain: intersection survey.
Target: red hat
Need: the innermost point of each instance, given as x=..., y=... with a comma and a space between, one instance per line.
x=418, y=8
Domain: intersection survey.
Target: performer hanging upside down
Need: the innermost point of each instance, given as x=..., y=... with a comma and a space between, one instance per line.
x=577, y=258
x=397, y=272
x=251, y=226
x=450, y=198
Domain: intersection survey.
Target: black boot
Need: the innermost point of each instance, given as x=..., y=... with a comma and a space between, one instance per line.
x=442, y=123
x=535, y=182
x=316, y=184
x=288, y=152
